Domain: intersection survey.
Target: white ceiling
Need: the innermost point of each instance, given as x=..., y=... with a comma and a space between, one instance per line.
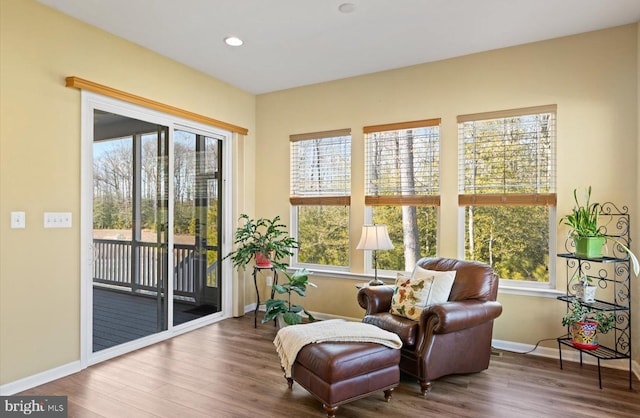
x=290, y=43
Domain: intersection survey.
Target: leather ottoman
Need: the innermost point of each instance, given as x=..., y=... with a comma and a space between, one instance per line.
x=340, y=372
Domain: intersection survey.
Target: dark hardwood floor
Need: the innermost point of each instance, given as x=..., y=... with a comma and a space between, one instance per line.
x=120, y=317
x=230, y=369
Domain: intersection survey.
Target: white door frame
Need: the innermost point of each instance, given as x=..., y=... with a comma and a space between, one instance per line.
x=91, y=101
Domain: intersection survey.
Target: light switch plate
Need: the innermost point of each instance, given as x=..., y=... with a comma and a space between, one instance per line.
x=18, y=220
x=57, y=219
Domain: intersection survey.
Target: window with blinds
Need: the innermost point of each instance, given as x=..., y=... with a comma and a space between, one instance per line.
x=506, y=185
x=321, y=168
x=507, y=158
x=402, y=163
x=402, y=191
x=320, y=198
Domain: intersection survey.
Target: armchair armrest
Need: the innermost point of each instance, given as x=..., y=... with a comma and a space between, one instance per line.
x=375, y=299
x=455, y=316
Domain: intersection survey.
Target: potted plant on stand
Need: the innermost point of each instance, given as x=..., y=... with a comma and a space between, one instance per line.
x=584, y=324
x=587, y=235
x=585, y=232
x=283, y=310
x=584, y=289
x=264, y=240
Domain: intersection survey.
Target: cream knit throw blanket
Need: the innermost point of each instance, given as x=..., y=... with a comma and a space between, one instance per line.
x=291, y=339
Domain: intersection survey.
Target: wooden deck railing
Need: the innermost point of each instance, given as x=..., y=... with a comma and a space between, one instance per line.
x=114, y=262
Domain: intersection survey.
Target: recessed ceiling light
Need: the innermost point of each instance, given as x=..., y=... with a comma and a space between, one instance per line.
x=347, y=7
x=233, y=41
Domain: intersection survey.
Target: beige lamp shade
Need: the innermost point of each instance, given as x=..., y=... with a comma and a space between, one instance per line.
x=375, y=237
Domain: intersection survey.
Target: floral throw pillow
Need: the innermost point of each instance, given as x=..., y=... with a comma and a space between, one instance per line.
x=410, y=295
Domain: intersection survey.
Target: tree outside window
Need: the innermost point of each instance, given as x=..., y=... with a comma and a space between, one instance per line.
x=507, y=189
x=321, y=196
x=402, y=188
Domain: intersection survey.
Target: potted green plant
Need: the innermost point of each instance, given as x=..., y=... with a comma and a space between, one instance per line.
x=588, y=236
x=264, y=240
x=585, y=231
x=584, y=324
x=283, y=310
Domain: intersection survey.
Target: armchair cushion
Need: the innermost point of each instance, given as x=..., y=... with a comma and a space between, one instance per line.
x=441, y=283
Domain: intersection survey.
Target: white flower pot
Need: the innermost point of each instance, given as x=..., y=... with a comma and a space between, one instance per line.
x=589, y=294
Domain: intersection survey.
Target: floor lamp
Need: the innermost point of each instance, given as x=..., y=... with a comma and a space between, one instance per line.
x=375, y=237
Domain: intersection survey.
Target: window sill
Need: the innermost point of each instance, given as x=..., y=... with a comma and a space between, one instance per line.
x=388, y=279
x=504, y=289
x=529, y=291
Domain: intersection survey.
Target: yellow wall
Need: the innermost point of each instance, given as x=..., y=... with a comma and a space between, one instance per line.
x=40, y=165
x=591, y=77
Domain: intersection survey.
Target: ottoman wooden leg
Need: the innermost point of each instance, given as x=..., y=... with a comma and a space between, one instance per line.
x=331, y=410
x=387, y=394
x=290, y=382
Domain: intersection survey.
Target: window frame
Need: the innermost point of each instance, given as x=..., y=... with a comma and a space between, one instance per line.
x=415, y=200
x=331, y=199
x=534, y=199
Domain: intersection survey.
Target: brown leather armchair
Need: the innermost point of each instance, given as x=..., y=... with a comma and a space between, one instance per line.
x=450, y=338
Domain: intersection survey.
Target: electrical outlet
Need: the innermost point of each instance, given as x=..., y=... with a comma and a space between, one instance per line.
x=269, y=281
x=57, y=219
x=18, y=220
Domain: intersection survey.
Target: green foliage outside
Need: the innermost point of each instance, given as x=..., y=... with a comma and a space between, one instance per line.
x=427, y=221
x=113, y=188
x=513, y=240
x=323, y=234
x=510, y=156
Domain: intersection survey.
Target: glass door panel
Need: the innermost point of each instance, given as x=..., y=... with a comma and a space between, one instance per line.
x=130, y=229
x=196, y=222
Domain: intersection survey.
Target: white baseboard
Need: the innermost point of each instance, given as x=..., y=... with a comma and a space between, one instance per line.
x=568, y=354
x=40, y=378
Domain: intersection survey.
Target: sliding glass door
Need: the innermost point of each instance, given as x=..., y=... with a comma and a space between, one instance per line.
x=196, y=225
x=155, y=254
x=130, y=229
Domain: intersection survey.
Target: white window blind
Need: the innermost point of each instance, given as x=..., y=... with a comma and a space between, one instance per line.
x=402, y=163
x=321, y=168
x=507, y=158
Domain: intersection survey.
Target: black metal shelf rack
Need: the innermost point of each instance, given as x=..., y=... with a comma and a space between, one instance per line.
x=612, y=273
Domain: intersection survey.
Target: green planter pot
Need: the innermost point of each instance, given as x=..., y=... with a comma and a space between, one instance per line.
x=589, y=247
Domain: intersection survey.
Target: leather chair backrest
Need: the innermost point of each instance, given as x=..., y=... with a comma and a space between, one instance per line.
x=474, y=280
